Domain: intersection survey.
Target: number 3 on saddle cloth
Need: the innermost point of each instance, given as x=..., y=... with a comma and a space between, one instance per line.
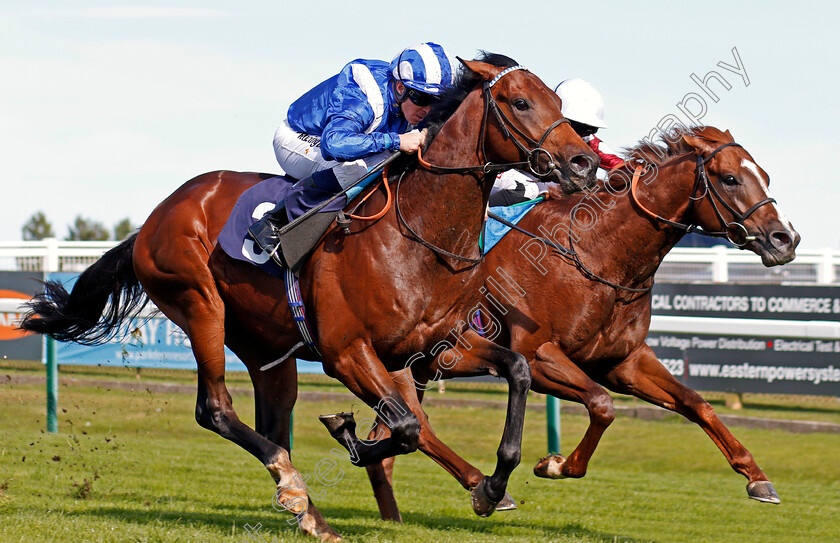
x=261, y=198
x=237, y=243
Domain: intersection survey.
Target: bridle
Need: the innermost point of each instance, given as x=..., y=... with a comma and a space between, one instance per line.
x=734, y=231
x=701, y=182
x=508, y=130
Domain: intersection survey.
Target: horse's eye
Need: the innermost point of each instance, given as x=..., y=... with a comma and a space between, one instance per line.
x=730, y=181
x=521, y=104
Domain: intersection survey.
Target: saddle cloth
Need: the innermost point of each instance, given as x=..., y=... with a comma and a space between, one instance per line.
x=249, y=208
x=495, y=231
x=258, y=200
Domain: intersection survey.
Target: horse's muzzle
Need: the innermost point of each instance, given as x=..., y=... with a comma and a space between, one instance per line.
x=576, y=174
x=777, y=247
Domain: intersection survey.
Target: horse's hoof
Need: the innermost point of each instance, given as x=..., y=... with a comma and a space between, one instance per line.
x=763, y=491
x=550, y=467
x=507, y=503
x=481, y=502
x=337, y=423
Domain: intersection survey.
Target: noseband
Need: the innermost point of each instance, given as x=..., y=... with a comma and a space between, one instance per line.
x=506, y=127
x=532, y=150
x=734, y=231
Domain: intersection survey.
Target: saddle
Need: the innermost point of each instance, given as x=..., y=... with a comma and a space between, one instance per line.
x=297, y=243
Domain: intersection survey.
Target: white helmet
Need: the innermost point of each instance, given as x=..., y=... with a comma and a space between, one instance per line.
x=581, y=102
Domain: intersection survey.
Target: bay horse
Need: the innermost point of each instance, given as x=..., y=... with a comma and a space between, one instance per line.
x=581, y=319
x=379, y=297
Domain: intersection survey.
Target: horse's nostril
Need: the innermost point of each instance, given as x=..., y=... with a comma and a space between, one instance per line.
x=780, y=239
x=580, y=164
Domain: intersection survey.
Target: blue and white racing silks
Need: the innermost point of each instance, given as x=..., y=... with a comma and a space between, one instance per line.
x=426, y=67
x=354, y=112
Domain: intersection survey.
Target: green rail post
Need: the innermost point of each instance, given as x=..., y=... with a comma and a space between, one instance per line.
x=52, y=388
x=552, y=409
x=291, y=429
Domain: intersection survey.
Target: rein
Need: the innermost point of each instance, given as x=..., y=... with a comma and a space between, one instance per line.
x=571, y=254
x=506, y=126
x=419, y=238
x=384, y=209
x=701, y=183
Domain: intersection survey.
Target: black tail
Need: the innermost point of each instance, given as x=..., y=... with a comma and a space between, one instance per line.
x=85, y=315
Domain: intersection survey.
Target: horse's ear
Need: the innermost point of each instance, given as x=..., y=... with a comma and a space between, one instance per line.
x=707, y=138
x=482, y=69
x=698, y=144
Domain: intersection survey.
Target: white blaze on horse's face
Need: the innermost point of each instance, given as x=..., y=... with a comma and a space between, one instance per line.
x=751, y=166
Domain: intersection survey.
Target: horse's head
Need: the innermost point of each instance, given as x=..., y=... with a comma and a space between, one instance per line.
x=524, y=123
x=737, y=201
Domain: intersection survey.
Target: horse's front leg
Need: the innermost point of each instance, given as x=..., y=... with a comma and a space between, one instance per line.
x=361, y=371
x=553, y=373
x=643, y=376
x=473, y=356
x=380, y=473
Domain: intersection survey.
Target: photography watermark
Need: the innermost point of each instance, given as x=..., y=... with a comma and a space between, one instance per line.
x=483, y=317
x=694, y=106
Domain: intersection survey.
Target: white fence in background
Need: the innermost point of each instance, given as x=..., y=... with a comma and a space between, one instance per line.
x=682, y=265
x=51, y=255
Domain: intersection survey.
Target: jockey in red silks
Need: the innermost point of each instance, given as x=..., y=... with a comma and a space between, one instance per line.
x=584, y=107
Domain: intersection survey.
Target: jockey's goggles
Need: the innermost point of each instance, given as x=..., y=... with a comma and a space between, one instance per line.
x=421, y=99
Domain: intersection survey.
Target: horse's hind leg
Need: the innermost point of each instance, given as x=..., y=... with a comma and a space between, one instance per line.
x=200, y=313
x=381, y=478
x=553, y=373
x=642, y=375
x=214, y=411
x=275, y=393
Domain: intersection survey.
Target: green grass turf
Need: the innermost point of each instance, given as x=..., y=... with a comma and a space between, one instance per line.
x=789, y=407
x=134, y=466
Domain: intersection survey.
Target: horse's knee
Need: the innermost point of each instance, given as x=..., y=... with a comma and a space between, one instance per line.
x=405, y=433
x=509, y=455
x=694, y=403
x=601, y=410
x=519, y=372
x=212, y=415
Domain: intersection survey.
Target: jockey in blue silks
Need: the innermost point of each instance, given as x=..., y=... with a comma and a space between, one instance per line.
x=337, y=131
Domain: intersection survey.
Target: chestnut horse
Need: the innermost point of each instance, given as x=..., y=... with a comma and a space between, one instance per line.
x=379, y=297
x=581, y=319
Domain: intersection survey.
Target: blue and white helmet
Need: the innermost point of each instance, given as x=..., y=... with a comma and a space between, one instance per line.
x=425, y=68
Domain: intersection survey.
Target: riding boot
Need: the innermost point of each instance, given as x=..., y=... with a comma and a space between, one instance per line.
x=265, y=231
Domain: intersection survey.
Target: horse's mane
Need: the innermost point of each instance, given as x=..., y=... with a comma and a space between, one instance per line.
x=464, y=83
x=671, y=144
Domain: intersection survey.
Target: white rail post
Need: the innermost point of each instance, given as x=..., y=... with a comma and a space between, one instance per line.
x=825, y=268
x=720, y=267
x=51, y=260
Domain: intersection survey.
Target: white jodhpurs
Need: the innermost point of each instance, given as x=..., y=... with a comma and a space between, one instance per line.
x=300, y=156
